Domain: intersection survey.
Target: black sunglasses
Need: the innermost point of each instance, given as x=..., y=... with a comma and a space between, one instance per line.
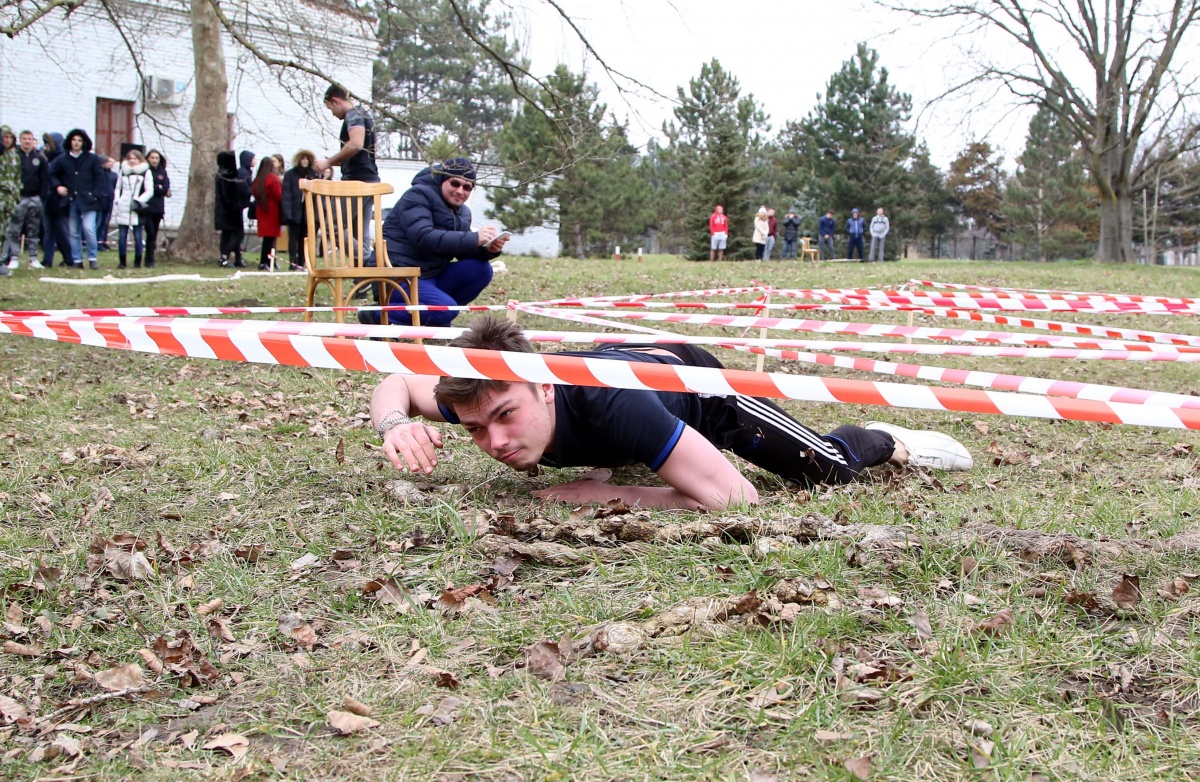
x=462, y=184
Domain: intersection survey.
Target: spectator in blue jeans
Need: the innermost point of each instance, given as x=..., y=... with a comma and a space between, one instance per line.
x=430, y=227
x=78, y=177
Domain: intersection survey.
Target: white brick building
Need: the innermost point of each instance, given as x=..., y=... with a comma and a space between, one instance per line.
x=77, y=72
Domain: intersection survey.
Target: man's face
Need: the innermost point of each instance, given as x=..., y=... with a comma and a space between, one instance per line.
x=28, y=142
x=337, y=107
x=456, y=190
x=879, y=211
x=514, y=425
x=829, y=213
x=76, y=143
x=9, y=140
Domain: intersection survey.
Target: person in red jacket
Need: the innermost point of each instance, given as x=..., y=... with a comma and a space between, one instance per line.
x=718, y=228
x=268, y=195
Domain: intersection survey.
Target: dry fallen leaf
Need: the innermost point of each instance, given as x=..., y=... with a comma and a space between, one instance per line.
x=829, y=735
x=444, y=713
x=250, y=553
x=233, y=743
x=998, y=624
x=122, y=677
x=923, y=627
x=294, y=626
x=1174, y=589
x=389, y=592
x=151, y=660
x=981, y=752
x=24, y=650
x=11, y=710
x=212, y=606
x=356, y=707
x=860, y=768
x=1128, y=592
x=544, y=661
x=307, y=560
x=339, y=453
x=219, y=628
x=347, y=723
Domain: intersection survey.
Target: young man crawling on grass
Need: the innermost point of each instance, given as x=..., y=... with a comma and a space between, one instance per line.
x=678, y=435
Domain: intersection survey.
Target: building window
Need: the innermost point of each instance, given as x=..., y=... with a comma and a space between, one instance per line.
x=114, y=126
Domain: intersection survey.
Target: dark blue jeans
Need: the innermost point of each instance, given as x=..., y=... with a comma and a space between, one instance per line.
x=855, y=241
x=461, y=283
x=123, y=242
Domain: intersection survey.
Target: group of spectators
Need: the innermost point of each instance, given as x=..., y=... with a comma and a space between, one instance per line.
x=62, y=197
x=856, y=228
x=766, y=230
x=429, y=227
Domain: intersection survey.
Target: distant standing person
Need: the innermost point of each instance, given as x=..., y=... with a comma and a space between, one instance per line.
x=772, y=232
x=10, y=177
x=356, y=158
x=247, y=162
x=791, y=232
x=106, y=196
x=55, y=235
x=27, y=217
x=135, y=188
x=268, y=194
x=156, y=209
x=231, y=195
x=855, y=227
x=78, y=177
x=761, y=227
x=825, y=229
x=880, y=225
x=292, y=207
x=718, y=229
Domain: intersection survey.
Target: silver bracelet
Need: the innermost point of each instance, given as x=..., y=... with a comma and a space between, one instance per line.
x=392, y=418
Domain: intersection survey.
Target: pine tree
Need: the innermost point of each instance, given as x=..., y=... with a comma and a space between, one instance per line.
x=852, y=151
x=932, y=214
x=977, y=181
x=715, y=145
x=574, y=166
x=438, y=79
x=1050, y=204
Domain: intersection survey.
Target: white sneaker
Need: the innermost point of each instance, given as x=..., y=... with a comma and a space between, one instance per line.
x=928, y=449
x=14, y=264
x=36, y=265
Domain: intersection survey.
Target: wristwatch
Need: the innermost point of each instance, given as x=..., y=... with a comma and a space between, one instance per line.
x=393, y=419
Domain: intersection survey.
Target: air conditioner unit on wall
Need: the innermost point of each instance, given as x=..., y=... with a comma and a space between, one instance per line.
x=163, y=91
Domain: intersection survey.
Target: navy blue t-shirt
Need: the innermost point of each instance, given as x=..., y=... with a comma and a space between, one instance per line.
x=613, y=427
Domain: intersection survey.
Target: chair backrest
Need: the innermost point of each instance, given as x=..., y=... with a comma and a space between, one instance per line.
x=337, y=219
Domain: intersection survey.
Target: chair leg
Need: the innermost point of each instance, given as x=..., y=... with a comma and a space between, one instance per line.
x=310, y=297
x=413, y=300
x=337, y=297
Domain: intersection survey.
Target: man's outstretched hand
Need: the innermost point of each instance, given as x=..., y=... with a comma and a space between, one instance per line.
x=412, y=447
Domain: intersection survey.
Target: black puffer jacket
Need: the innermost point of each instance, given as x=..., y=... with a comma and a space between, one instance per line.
x=162, y=185
x=293, y=198
x=83, y=176
x=423, y=230
x=231, y=193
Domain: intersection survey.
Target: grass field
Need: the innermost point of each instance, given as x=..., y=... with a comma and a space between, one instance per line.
x=218, y=543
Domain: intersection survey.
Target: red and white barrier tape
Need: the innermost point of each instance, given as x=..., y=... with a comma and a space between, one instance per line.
x=363, y=355
x=858, y=329
x=1033, y=291
x=1003, y=382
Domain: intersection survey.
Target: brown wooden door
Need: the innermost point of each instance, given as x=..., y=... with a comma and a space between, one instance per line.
x=114, y=125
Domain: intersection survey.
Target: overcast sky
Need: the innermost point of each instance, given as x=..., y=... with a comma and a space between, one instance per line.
x=782, y=51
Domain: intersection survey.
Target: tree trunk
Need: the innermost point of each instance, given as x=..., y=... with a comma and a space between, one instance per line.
x=197, y=240
x=580, y=250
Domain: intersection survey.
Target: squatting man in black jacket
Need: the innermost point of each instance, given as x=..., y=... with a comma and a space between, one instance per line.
x=678, y=435
x=430, y=227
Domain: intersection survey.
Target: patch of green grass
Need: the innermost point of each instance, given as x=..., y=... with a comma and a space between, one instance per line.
x=217, y=456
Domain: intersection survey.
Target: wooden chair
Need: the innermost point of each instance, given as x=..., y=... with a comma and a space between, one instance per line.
x=330, y=208
x=807, y=250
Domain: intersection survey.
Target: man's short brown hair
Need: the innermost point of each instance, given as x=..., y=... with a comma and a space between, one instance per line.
x=485, y=333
